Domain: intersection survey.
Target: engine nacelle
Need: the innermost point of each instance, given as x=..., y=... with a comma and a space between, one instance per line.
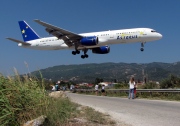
x=101, y=50
x=89, y=41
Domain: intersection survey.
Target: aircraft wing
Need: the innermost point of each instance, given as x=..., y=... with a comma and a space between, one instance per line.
x=69, y=38
x=18, y=41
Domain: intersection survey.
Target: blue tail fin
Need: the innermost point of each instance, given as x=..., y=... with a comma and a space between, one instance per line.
x=27, y=32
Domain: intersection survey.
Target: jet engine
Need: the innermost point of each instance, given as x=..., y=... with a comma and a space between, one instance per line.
x=89, y=41
x=101, y=50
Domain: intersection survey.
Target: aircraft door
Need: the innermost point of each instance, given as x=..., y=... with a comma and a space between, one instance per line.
x=111, y=35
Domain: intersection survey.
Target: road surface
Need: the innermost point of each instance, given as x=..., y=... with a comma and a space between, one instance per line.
x=137, y=112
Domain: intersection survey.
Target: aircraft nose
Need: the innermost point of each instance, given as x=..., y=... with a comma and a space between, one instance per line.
x=159, y=36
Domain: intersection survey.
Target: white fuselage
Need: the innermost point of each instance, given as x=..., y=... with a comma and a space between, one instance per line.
x=105, y=38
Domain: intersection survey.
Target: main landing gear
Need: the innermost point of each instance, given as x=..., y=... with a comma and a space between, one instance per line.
x=85, y=55
x=78, y=52
x=75, y=52
x=142, y=46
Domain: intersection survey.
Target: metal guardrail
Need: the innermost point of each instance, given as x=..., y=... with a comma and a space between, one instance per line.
x=138, y=90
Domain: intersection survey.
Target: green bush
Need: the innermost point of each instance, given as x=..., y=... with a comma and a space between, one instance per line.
x=121, y=86
x=151, y=85
x=171, y=82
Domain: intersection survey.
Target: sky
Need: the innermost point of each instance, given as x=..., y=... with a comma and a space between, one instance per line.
x=81, y=16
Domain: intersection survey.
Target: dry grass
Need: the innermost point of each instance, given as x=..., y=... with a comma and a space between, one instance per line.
x=87, y=116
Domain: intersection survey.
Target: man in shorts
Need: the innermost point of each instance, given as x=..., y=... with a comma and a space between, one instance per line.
x=103, y=90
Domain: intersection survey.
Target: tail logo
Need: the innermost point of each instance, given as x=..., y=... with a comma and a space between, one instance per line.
x=23, y=31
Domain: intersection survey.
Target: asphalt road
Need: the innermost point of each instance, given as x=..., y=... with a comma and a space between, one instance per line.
x=137, y=112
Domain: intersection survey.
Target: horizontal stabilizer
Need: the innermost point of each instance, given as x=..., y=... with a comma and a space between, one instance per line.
x=18, y=41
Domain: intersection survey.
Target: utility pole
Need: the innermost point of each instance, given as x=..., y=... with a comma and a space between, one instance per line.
x=143, y=75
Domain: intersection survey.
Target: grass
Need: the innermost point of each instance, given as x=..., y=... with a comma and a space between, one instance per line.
x=87, y=116
x=160, y=96
x=97, y=117
x=59, y=111
x=23, y=99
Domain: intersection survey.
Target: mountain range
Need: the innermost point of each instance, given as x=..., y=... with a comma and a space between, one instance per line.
x=109, y=72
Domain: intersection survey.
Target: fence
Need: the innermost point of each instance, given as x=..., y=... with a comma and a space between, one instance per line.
x=138, y=90
x=149, y=92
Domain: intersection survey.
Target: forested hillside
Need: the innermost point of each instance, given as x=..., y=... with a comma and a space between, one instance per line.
x=111, y=71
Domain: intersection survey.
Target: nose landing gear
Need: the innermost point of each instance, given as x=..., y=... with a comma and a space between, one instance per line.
x=142, y=46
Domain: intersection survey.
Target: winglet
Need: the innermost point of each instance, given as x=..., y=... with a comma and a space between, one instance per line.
x=27, y=32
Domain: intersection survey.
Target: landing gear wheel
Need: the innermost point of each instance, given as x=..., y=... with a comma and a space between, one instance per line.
x=86, y=56
x=142, y=46
x=77, y=51
x=82, y=56
x=142, y=49
x=74, y=52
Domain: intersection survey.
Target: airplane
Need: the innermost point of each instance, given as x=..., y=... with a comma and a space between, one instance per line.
x=98, y=42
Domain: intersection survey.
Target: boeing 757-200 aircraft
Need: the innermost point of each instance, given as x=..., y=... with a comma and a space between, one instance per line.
x=98, y=42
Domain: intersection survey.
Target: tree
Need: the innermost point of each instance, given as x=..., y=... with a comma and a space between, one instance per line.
x=171, y=82
x=98, y=80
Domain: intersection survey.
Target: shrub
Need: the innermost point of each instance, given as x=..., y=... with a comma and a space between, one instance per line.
x=121, y=86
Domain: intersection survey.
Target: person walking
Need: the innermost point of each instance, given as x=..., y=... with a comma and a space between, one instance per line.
x=96, y=89
x=103, y=90
x=131, y=88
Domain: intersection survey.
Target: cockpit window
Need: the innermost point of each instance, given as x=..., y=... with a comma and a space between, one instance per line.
x=153, y=30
